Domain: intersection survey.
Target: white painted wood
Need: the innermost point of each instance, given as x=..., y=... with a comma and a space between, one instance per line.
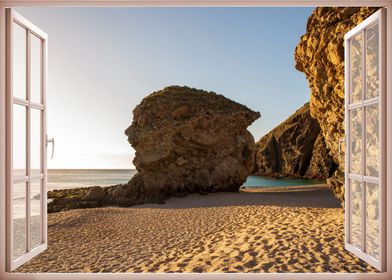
x=380, y=261
x=198, y=3
x=12, y=18
x=362, y=255
x=363, y=103
x=383, y=142
x=29, y=26
x=28, y=142
x=9, y=162
x=347, y=205
x=44, y=204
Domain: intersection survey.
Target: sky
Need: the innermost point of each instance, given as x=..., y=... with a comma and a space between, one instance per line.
x=103, y=61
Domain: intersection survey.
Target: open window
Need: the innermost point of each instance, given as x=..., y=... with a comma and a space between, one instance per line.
x=365, y=177
x=26, y=141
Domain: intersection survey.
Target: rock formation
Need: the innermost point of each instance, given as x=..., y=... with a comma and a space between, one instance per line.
x=295, y=148
x=188, y=140
x=320, y=55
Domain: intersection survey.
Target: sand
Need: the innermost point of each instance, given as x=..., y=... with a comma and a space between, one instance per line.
x=222, y=232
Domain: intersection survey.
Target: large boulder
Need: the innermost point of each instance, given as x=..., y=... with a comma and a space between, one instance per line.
x=187, y=140
x=295, y=148
x=320, y=55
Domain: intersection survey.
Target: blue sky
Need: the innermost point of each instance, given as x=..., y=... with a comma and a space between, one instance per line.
x=103, y=61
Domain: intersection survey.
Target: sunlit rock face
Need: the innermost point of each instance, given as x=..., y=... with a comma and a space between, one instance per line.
x=188, y=140
x=295, y=148
x=320, y=55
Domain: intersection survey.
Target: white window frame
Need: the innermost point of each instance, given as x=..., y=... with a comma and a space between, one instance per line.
x=380, y=100
x=194, y=3
x=31, y=30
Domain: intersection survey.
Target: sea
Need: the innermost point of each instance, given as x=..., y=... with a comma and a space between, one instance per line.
x=72, y=178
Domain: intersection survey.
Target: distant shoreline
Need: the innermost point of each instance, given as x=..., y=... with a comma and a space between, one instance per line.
x=86, y=169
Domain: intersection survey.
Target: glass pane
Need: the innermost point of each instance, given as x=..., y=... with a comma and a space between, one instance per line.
x=372, y=62
x=356, y=213
x=356, y=70
x=19, y=61
x=372, y=219
x=356, y=141
x=19, y=140
x=19, y=219
x=35, y=211
x=35, y=66
x=372, y=140
x=36, y=143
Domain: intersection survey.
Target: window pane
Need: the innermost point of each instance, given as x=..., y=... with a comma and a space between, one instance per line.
x=372, y=140
x=35, y=66
x=35, y=211
x=36, y=141
x=19, y=219
x=356, y=213
x=372, y=62
x=19, y=140
x=356, y=70
x=356, y=141
x=372, y=219
x=19, y=61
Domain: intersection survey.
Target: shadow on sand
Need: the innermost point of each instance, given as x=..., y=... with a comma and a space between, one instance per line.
x=323, y=198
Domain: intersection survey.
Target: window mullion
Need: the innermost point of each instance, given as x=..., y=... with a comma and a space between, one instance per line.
x=363, y=140
x=28, y=148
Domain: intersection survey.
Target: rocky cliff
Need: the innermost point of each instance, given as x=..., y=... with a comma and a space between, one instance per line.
x=320, y=56
x=295, y=148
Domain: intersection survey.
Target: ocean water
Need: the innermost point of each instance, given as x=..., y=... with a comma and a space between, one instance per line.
x=72, y=178
x=260, y=182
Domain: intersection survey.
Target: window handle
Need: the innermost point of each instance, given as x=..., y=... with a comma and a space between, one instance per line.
x=340, y=141
x=51, y=140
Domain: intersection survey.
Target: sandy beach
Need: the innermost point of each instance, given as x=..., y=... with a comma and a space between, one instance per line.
x=221, y=232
